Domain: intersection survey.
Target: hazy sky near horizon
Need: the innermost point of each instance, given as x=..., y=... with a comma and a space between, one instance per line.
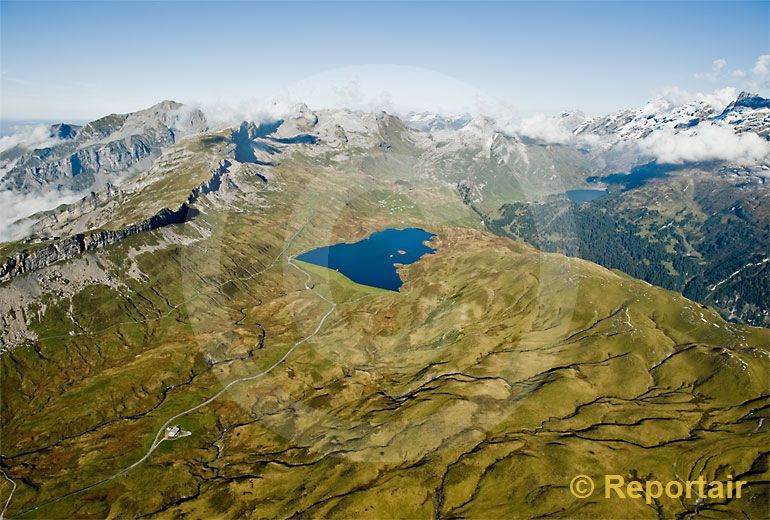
x=80, y=60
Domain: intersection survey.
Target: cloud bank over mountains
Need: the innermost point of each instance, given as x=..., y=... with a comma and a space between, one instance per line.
x=544, y=128
x=27, y=135
x=670, y=139
x=16, y=206
x=710, y=143
x=718, y=99
x=705, y=141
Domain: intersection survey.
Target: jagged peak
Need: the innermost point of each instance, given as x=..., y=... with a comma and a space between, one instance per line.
x=431, y=121
x=750, y=100
x=64, y=130
x=746, y=95
x=166, y=104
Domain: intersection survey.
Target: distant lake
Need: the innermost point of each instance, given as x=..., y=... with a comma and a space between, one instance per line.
x=637, y=177
x=372, y=261
x=581, y=196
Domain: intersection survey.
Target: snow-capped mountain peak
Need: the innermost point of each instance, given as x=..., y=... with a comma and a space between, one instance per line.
x=429, y=122
x=748, y=112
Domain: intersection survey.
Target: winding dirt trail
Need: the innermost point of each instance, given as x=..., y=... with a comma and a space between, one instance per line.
x=160, y=435
x=10, y=496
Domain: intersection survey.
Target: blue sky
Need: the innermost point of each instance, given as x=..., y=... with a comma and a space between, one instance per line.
x=82, y=60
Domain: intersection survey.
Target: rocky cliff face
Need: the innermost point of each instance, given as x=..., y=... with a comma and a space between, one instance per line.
x=51, y=222
x=70, y=247
x=29, y=261
x=103, y=149
x=67, y=167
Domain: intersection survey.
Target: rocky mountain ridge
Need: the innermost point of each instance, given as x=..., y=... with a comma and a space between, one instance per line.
x=487, y=167
x=28, y=261
x=747, y=113
x=102, y=151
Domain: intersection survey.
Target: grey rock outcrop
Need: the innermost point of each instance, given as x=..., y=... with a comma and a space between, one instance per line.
x=103, y=149
x=70, y=247
x=64, y=131
x=56, y=221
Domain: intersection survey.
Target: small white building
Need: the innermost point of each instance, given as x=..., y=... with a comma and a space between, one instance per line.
x=172, y=431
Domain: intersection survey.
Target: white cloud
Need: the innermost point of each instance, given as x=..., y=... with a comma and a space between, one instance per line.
x=716, y=69
x=738, y=73
x=717, y=99
x=369, y=88
x=255, y=110
x=710, y=143
x=16, y=206
x=544, y=128
x=389, y=87
x=762, y=65
x=29, y=136
x=349, y=93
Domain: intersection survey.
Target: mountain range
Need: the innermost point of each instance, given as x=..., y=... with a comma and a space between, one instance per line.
x=596, y=302
x=489, y=167
x=86, y=157
x=746, y=113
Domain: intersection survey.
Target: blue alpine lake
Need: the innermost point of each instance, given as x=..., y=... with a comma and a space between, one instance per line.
x=581, y=196
x=372, y=261
x=637, y=177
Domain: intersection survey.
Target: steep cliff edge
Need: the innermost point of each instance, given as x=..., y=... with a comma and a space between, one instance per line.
x=29, y=261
